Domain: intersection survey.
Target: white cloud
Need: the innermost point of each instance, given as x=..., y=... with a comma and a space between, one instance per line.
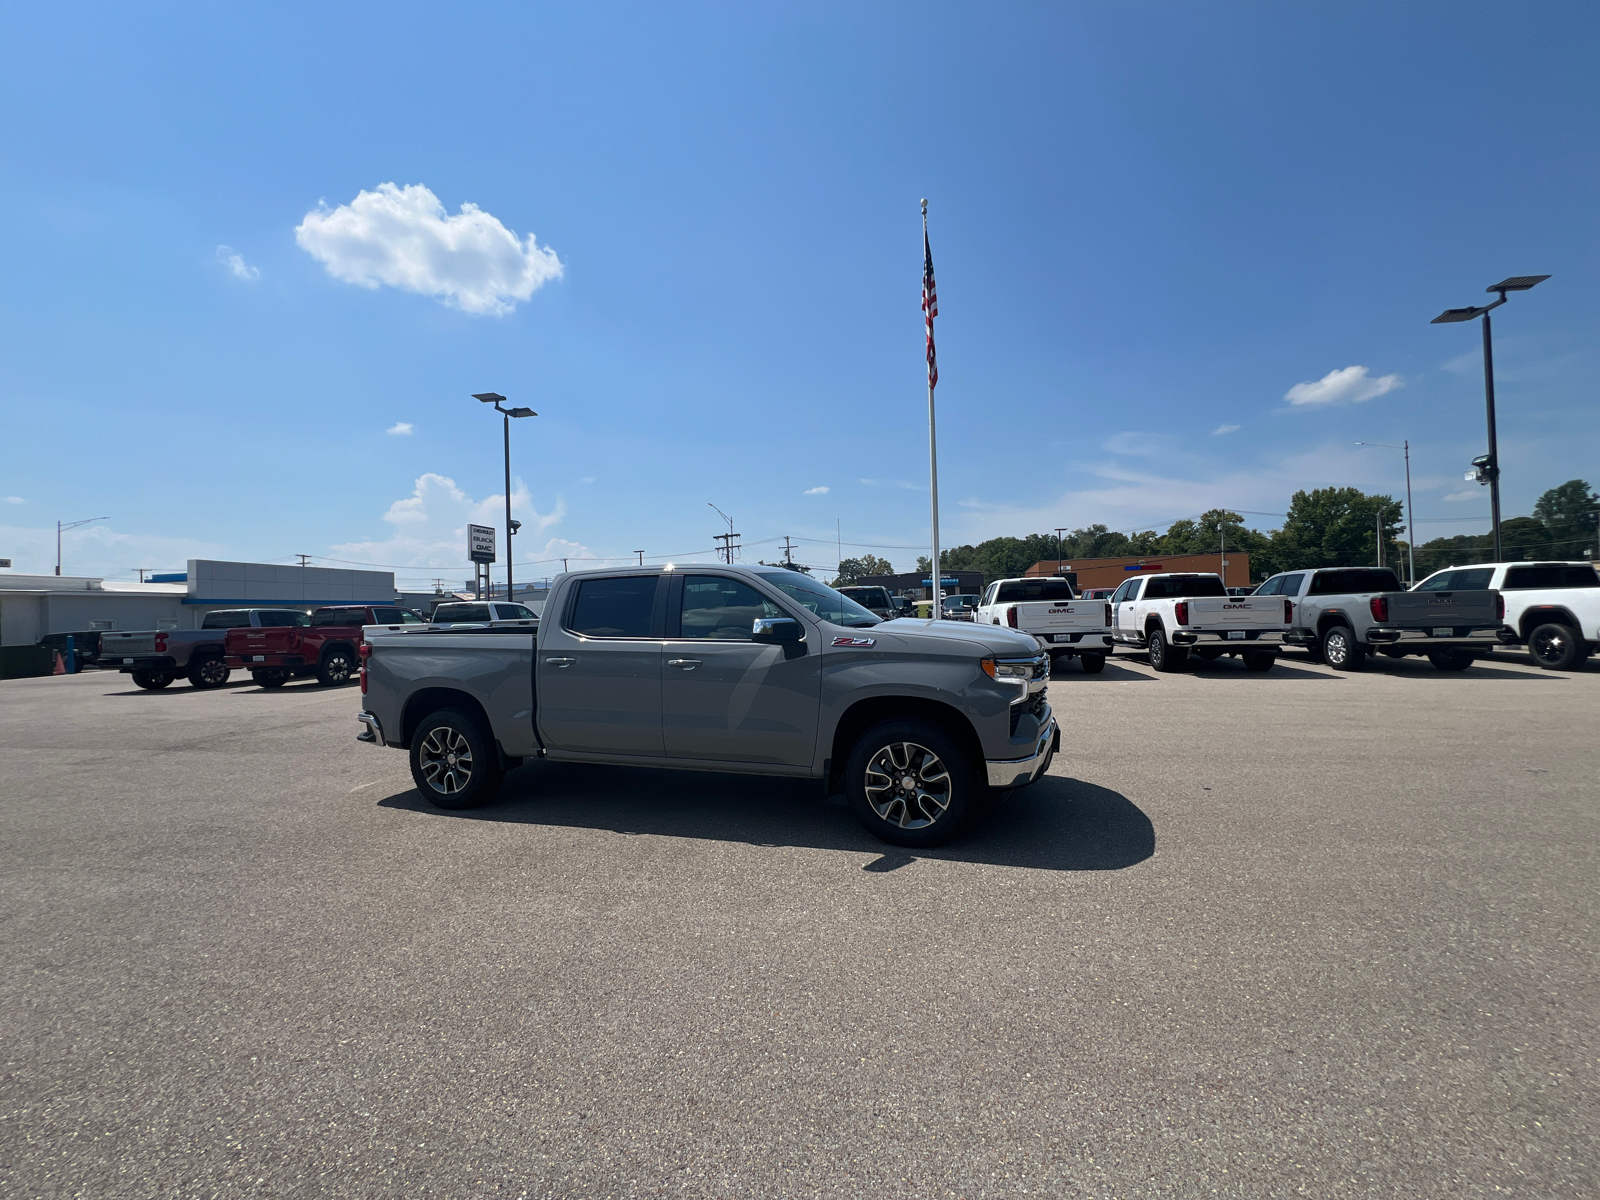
x=402, y=237
x=1350, y=385
x=1222, y=429
x=99, y=551
x=587, y=479
x=816, y=491
x=15, y=500
x=1132, y=442
x=430, y=531
x=1469, y=494
x=400, y=429
x=234, y=261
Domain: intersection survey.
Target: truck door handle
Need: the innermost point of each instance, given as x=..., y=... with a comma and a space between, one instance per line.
x=559, y=662
x=688, y=664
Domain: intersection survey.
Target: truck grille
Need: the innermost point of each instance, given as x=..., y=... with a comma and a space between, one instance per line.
x=1035, y=706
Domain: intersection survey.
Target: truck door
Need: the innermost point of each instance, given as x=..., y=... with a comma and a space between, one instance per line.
x=1122, y=608
x=599, y=669
x=726, y=698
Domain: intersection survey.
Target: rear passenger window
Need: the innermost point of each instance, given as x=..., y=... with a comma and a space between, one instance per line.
x=386, y=616
x=614, y=607
x=283, y=617
x=1550, y=575
x=226, y=620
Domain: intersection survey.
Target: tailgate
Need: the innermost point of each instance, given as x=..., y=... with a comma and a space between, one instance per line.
x=1431, y=610
x=126, y=645
x=1238, y=612
x=275, y=639
x=1063, y=616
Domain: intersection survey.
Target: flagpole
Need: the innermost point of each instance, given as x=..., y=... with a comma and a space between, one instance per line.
x=935, y=573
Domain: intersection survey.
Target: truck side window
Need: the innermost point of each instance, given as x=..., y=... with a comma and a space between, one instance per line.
x=226, y=620
x=1473, y=578
x=1549, y=575
x=611, y=608
x=1272, y=587
x=273, y=617
x=1290, y=585
x=722, y=609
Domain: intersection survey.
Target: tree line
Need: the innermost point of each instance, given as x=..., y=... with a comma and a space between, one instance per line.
x=1323, y=527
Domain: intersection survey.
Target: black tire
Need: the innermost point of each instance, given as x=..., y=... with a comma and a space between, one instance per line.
x=1341, y=651
x=1093, y=664
x=1162, y=656
x=1557, y=647
x=152, y=681
x=1208, y=654
x=946, y=791
x=208, y=672
x=1258, y=660
x=454, y=763
x=1450, y=660
x=269, y=679
x=338, y=666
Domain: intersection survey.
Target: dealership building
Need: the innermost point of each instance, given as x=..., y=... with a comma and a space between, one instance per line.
x=33, y=606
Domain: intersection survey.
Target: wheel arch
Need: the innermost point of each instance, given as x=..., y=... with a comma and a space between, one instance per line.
x=424, y=702
x=1546, y=614
x=1332, y=617
x=864, y=714
x=341, y=644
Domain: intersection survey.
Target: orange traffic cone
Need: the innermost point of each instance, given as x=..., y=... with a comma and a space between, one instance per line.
x=61, y=667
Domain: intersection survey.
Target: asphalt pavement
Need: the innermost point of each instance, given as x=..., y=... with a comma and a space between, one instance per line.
x=1297, y=933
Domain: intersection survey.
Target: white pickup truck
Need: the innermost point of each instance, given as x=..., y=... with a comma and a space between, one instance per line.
x=1552, y=608
x=1173, y=616
x=1064, y=625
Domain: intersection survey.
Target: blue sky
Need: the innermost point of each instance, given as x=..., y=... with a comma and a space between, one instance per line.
x=1150, y=224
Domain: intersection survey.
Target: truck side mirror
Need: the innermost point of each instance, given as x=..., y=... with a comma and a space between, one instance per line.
x=777, y=631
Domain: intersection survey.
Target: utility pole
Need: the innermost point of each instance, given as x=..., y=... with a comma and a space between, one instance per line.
x=563, y=566
x=1378, y=518
x=303, y=558
x=640, y=553
x=1060, y=569
x=725, y=538
x=1222, y=531
x=788, y=551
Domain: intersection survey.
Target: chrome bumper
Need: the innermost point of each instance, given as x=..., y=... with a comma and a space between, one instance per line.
x=373, y=732
x=1016, y=772
x=1272, y=638
x=1424, y=637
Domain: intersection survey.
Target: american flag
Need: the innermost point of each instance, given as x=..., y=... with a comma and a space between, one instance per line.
x=930, y=304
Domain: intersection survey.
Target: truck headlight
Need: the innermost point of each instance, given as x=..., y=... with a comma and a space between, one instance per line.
x=1007, y=671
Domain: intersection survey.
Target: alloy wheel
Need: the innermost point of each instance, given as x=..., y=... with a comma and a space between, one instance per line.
x=446, y=760
x=213, y=672
x=908, y=785
x=338, y=667
x=1549, y=643
x=1336, y=649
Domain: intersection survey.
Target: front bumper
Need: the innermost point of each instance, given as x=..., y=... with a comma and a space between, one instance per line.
x=372, y=730
x=1019, y=772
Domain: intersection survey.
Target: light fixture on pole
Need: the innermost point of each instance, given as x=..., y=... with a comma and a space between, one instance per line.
x=1488, y=465
x=497, y=400
x=1411, y=518
x=61, y=527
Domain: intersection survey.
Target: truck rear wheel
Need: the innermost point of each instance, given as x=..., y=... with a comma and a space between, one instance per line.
x=208, y=672
x=911, y=783
x=1341, y=651
x=1450, y=660
x=336, y=667
x=270, y=679
x=152, y=681
x=1093, y=664
x=453, y=761
x=1556, y=647
x=1162, y=656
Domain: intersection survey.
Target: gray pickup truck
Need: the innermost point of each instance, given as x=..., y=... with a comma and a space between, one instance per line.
x=156, y=657
x=762, y=671
x=1344, y=614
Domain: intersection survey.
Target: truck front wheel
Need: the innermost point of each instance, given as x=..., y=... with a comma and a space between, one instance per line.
x=336, y=667
x=1164, y=657
x=209, y=672
x=152, y=681
x=1556, y=647
x=1341, y=651
x=912, y=784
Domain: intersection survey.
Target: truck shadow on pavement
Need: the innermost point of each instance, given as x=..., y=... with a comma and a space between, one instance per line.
x=1058, y=824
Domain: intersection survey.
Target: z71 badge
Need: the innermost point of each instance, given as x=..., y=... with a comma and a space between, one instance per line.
x=854, y=641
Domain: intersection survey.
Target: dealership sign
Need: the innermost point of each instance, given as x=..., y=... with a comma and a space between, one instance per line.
x=480, y=543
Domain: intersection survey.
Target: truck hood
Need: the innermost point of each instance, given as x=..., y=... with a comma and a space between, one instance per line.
x=909, y=632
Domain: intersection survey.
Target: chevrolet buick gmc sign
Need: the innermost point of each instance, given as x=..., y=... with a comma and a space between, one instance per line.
x=480, y=543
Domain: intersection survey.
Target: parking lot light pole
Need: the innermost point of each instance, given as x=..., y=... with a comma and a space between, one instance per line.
x=1490, y=471
x=1411, y=518
x=62, y=527
x=497, y=400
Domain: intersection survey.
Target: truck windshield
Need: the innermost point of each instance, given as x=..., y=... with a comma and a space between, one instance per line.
x=820, y=599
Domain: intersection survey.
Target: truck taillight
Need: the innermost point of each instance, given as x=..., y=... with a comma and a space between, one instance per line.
x=1499, y=607
x=1181, y=611
x=365, y=651
x=363, y=674
x=1011, y=616
x=161, y=643
x=1380, y=608
x=1108, y=614
x=1288, y=612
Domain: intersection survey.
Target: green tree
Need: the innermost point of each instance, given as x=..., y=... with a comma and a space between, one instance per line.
x=852, y=570
x=788, y=566
x=1334, y=527
x=1568, y=514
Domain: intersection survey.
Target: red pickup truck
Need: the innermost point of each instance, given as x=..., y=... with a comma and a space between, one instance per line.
x=327, y=644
